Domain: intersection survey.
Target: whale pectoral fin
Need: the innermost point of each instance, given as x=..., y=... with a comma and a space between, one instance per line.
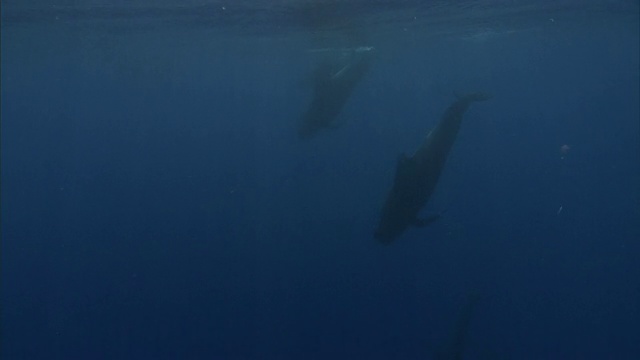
x=427, y=220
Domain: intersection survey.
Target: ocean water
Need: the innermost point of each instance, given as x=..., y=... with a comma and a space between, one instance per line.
x=158, y=203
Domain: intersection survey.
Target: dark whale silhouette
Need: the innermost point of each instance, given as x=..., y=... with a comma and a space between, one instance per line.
x=416, y=176
x=333, y=83
x=456, y=346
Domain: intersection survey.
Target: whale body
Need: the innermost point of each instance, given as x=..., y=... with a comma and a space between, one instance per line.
x=417, y=175
x=333, y=84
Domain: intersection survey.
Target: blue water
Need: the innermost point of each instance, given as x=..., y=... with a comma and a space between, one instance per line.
x=158, y=204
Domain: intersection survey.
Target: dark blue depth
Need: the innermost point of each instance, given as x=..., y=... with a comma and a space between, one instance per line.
x=157, y=202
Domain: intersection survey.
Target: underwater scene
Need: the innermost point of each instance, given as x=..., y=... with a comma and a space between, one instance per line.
x=320, y=179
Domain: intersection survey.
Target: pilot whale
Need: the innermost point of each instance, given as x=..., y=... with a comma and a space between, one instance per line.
x=333, y=83
x=416, y=176
x=456, y=346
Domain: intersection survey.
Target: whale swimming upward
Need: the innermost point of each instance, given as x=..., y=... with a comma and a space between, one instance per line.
x=333, y=83
x=416, y=176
